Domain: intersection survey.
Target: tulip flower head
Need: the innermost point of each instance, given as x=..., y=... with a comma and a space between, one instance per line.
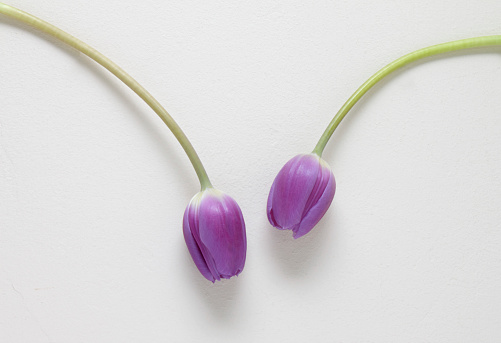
x=214, y=231
x=301, y=194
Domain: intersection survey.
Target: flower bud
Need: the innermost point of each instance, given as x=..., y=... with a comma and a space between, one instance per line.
x=301, y=194
x=214, y=231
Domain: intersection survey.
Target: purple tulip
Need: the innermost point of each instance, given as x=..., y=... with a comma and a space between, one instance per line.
x=301, y=194
x=214, y=231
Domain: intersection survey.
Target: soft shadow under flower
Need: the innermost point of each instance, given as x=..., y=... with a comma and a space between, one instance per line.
x=298, y=258
x=221, y=297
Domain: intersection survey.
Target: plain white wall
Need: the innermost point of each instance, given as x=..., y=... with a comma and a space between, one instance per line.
x=93, y=186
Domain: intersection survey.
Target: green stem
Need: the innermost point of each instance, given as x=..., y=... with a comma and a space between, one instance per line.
x=397, y=64
x=119, y=73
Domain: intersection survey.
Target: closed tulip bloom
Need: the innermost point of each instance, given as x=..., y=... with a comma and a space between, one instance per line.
x=301, y=194
x=214, y=231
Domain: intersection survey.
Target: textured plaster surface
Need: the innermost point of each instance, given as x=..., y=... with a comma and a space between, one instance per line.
x=93, y=186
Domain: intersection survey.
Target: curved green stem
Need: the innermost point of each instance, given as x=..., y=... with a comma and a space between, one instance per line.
x=397, y=64
x=119, y=73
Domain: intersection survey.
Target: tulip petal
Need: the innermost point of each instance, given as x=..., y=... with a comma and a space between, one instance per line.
x=317, y=211
x=206, y=253
x=293, y=185
x=222, y=231
x=269, y=207
x=194, y=250
x=194, y=226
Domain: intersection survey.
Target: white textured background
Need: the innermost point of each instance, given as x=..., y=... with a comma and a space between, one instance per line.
x=93, y=186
